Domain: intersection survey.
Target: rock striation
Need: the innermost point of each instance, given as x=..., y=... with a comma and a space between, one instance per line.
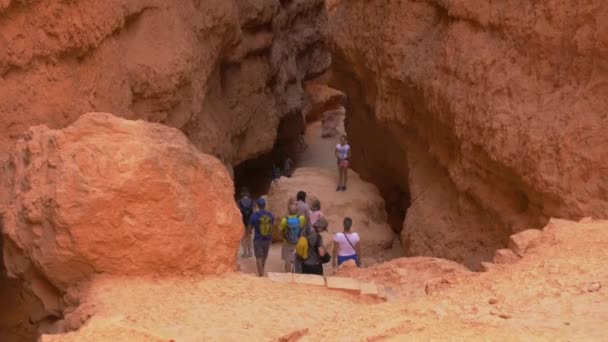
x=225, y=72
x=480, y=118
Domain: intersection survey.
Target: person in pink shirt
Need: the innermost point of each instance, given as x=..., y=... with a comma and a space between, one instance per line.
x=315, y=211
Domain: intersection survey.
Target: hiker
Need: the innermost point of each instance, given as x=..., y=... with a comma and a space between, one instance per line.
x=276, y=173
x=261, y=222
x=287, y=167
x=303, y=207
x=315, y=212
x=313, y=264
x=346, y=245
x=343, y=155
x=245, y=204
x=291, y=226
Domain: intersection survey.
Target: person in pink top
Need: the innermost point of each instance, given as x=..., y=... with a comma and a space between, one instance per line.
x=315, y=211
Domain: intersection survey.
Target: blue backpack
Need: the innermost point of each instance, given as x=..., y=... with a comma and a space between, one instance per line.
x=293, y=229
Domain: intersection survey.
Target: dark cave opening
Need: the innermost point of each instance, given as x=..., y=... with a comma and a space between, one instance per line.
x=397, y=200
x=15, y=320
x=257, y=173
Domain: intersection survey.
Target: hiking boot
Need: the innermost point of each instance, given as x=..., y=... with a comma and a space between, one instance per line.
x=344, y=188
x=339, y=188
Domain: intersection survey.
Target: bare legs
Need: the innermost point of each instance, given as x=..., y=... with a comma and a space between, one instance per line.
x=246, y=244
x=260, y=263
x=342, y=178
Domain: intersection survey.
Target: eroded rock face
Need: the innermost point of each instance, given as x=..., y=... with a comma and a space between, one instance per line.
x=118, y=197
x=487, y=115
x=331, y=120
x=225, y=72
x=411, y=276
x=322, y=99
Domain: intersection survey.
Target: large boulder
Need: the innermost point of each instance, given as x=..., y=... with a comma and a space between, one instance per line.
x=108, y=195
x=362, y=202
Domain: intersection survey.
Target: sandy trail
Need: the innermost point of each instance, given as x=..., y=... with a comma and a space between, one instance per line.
x=320, y=151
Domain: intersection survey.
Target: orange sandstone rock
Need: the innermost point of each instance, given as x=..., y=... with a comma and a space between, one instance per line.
x=113, y=196
x=490, y=115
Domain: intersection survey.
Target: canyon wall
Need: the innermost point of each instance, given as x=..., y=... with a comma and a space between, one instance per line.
x=225, y=72
x=481, y=118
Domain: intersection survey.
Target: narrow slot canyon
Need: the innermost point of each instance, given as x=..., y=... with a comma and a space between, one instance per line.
x=315, y=172
x=414, y=163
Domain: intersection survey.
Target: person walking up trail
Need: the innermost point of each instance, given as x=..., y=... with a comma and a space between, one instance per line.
x=347, y=245
x=245, y=205
x=292, y=227
x=287, y=167
x=262, y=223
x=315, y=253
x=303, y=207
x=343, y=155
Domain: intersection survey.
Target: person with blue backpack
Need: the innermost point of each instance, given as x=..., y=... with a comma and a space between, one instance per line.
x=292, y=226
x=246, y=206
x=261, y=222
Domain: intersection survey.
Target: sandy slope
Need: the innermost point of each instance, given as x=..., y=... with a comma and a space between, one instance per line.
x=544, y=296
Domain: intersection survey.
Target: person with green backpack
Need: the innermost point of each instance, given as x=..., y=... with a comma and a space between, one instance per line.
x=292, y=226
x=261, y=222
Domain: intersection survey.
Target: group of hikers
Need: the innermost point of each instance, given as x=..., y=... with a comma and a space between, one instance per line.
x=302, y=250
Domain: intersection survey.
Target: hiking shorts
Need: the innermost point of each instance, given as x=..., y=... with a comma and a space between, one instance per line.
x=287, y=251
x=260, y=248
x=343, y=164
x=343, y=259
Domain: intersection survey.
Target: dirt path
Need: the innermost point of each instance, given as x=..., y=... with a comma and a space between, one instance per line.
x=320, y=151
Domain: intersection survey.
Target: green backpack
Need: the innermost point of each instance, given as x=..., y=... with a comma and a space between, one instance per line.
x=265, y=226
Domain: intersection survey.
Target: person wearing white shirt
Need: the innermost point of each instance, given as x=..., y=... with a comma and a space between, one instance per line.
x=343, y=155
x=347, y=245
